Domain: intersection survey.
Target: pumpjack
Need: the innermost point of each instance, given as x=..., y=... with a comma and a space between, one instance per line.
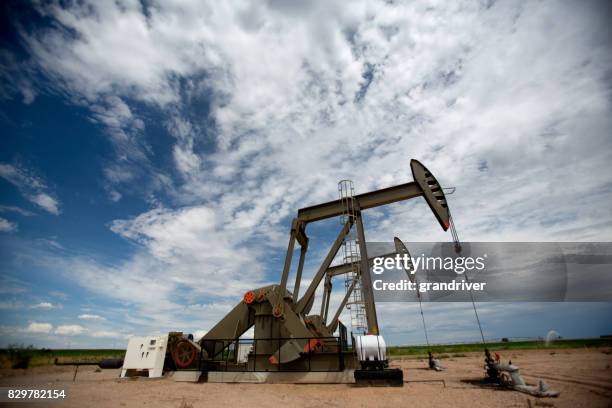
x=288, y=335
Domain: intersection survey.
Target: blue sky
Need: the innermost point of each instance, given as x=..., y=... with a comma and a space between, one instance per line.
x=153, y=154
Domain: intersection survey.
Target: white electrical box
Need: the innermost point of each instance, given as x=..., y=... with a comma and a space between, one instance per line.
x=145, y=353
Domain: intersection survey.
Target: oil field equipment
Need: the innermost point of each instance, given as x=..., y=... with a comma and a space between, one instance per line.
x=400, y=248
x=508, y=375
x=497, y=373
x=145, y=354
x=292, y=342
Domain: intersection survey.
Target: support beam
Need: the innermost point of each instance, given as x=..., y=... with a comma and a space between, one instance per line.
x=298, y=274
x=288, y=257
x=325, y=294
x=364, y=201
x=340, y=269
x=334, y=323
x=232, y=326
x=301, y=237
x=325, y=304
x=366, y=281
x=305, y=300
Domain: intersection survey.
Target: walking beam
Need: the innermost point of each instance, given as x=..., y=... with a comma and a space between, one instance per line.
x=424, y=184
x=367, y=200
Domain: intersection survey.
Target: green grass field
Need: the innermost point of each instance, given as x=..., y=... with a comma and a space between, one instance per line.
x=20, y=357
x=455, y=350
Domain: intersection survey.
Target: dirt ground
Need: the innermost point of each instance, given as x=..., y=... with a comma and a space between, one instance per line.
x=583, y=376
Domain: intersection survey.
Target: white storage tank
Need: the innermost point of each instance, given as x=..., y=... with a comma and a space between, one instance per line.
x=370, y=348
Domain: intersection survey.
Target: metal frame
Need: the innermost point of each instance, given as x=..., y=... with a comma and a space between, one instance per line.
x=204, y=362
x=425, y=185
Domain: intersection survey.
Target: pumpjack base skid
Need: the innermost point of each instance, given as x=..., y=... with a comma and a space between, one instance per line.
x=388, y=377
x=330, y=377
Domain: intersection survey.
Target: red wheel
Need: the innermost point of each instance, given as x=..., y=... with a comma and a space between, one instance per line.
x=184, y=353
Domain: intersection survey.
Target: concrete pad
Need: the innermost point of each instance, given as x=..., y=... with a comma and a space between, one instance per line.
x=329, y=377
x=187, y=376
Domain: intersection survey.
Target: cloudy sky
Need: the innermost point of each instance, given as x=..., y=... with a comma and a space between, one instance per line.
x=154, y=153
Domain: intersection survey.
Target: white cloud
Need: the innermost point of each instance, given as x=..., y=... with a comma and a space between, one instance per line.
x=45, y=305
x=58, y=294
x=10, y=285
x=175, y=239
x=20, y=211
x=115, y=196
x=31, y=186
x=332, y=92
x=11, y=305
x=91, y=317
x=50, y=243
x=46, y=202
x=39, y=327
x=69, y=330
x=7, y=226
x=106, y=334
x=18, y=304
